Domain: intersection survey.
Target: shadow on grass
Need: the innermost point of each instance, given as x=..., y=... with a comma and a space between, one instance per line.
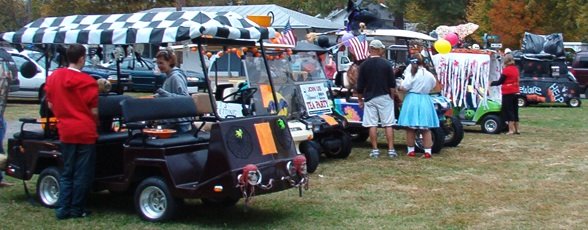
x=193, y=212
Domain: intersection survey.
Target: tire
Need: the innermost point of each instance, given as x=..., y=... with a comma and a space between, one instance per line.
x=453, y=131
x=574, y=102
x=360, y=135
x=492, y=124
x=522, y=102
x=225, y=202
x=438, y=136
x=344, y=150
x=311, y=151
x=48, y=187
x=153, y=200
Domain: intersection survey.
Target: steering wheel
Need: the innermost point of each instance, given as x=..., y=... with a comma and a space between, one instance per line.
x=244, y=95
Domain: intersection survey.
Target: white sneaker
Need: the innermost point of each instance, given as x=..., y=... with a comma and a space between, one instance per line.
x=375, y=153
x=392, y=153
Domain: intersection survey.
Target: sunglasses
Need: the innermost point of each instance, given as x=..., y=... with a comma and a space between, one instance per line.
x=414, y=61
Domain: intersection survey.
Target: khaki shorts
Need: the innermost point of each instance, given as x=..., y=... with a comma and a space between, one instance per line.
x=379, y=111
x=3, y=161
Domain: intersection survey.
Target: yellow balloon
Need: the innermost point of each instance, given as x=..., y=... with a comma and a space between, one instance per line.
x=442, y=46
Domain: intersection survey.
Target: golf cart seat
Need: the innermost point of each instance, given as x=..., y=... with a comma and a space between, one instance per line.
x=203, y=112
x=140, y=113
x=109, y=108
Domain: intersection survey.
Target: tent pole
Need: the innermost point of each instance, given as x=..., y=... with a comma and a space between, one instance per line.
x=269, y=75
x=205, y=71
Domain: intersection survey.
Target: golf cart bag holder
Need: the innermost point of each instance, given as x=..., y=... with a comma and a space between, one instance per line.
x=143, y=113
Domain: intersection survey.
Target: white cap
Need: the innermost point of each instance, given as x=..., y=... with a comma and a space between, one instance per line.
x=377, y=44
x=507, y=50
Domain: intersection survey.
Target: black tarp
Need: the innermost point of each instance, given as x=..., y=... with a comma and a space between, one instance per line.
x=539, y=44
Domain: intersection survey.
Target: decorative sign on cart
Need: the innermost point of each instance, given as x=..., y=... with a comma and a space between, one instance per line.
x=315, y=98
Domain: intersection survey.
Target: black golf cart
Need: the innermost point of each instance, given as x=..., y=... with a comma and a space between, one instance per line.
x=236, y=158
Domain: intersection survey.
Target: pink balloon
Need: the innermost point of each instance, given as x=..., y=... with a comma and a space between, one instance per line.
x=452, y=38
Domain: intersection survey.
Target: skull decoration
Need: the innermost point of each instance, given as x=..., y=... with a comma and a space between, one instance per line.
x=300, y=164
x=251, y=175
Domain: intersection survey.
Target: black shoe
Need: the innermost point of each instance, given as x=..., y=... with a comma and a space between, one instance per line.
x=83, y=214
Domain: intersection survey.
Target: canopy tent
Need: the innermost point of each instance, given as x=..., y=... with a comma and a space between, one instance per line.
x=135, y=28
x=282, y=15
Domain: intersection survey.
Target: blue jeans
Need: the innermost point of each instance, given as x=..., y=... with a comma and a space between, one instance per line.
x=2, y=132
x=79, y=162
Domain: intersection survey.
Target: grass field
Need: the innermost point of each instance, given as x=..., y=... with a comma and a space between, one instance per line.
x=536, y=180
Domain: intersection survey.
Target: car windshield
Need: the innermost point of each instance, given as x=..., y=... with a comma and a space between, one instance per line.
x=40, y=59
x=133, y=63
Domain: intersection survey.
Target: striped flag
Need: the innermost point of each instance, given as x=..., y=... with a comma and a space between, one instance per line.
x=359, y=47
x=288, y=37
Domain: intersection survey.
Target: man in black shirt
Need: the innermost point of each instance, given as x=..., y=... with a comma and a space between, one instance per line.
x=376, y=86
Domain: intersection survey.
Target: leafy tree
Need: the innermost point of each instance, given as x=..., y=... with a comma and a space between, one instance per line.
x=12, y=16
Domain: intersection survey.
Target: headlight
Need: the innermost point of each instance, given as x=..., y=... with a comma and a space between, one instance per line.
x=192, y=79
x=112, y=78
x=293, y=129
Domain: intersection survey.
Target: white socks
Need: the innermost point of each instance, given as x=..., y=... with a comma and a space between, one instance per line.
x=410, y=149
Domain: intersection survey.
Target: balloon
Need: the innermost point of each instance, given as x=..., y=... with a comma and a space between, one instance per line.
x=452, y=38
x=442, y=46
x=345, y=39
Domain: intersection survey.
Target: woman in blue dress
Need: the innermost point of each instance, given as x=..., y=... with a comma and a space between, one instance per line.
x=418, y=111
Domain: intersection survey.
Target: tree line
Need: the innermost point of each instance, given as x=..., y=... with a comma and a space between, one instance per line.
x=507, y=18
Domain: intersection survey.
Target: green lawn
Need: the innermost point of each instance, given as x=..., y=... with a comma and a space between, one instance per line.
x=536, y=180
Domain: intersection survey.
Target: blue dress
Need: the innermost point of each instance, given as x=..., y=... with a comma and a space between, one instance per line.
x=418, y=111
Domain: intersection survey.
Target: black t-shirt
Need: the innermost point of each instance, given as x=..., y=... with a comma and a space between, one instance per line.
x=376, y=77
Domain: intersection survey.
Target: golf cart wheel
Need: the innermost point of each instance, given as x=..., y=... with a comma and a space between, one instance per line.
x=48, y=187
x=574, y=102
x=312, y=152
x=344, y=149
x=492, y=124
x=522, y=102
x=224, y=202
x=360, y=135
x=437, y=136
x=153, y=200
x=453, y=131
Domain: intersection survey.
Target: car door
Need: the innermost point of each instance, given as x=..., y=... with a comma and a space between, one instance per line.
x=29, y=84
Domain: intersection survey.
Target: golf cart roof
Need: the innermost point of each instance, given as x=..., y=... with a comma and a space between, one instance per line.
x=397, y=33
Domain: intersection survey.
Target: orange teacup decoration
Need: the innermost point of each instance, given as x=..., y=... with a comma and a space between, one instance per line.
x=159, y=133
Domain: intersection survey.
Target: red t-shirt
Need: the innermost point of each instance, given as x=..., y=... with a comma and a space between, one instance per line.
x=511, y=81
x=73, y=95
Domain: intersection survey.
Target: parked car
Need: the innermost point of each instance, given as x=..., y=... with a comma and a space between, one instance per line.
x=28, y=87
x=580, y=66
x=98, y=71
x=145, y=76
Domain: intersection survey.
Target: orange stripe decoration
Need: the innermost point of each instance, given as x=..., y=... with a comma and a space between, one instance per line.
x=266, y=94
x=329, y=119
x=265, y=138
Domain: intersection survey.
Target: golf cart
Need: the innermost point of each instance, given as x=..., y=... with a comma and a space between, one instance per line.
x=303, y=96
x=238, y=157
x=465, y=76
x=450, y=133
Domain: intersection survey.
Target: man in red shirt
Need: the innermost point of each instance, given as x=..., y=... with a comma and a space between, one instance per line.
x=73, y=98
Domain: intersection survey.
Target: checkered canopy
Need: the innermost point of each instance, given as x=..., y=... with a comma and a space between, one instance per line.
x=152, y=28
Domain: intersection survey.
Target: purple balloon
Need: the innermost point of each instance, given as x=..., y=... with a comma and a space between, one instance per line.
x=345, y=39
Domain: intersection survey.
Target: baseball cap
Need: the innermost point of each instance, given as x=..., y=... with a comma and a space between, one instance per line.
x=377, y=44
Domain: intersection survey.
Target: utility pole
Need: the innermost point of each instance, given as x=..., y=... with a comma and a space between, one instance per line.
x=180, y=4
x=28, y=6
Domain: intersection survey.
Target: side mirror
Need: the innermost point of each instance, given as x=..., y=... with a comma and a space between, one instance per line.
x=28, y=70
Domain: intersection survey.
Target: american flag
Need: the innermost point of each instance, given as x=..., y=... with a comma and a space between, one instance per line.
x=288, y=37
x=359, y=47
